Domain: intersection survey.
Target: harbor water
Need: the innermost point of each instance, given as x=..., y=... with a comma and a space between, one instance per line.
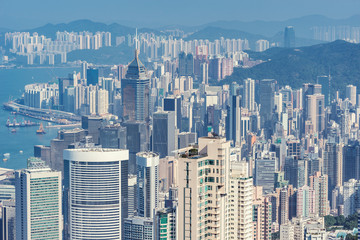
x=20, y=143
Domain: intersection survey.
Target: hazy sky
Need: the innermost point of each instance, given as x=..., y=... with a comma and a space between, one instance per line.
x=20, y=14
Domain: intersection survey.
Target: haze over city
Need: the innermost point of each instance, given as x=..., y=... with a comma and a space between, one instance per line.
x=20, y=15
x=180, y=120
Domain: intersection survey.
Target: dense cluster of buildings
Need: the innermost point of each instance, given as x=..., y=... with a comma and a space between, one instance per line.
x=332, y=33
x=41, y=49
x=163, y=157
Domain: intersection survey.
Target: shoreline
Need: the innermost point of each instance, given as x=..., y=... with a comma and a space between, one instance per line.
x=38, y=67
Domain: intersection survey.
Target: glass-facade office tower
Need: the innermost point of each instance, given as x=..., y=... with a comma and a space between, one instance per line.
x=135, y=91
x=289, y=37
x=233, y=124
x=137, y=140
x=147, y=183
x=265, y=167
x=173, y=104
x=92, y=75
x=267, y=103
x=96, y=187
x=38, y=203
x=163, y=135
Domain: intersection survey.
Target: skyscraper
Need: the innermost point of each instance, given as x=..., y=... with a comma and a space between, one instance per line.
x=319, y=183
x=173, y=104
x=265, y=171
x=351, y=161
x=240, y=202
x=135, y=91
x=289, y=37
x=92, y=76
x=315, y=111
x=96, y=188
x=204, y=73
x=163, y=134
x=147, y=183
x=267, y=90
x=186, y=64
x=7, y=223
x=204, y=172
x=351, y=94
x=233, y=123
x=137, y=140
x=38, y=202
x=333, y=164
x=262, y=215
x=248, y=96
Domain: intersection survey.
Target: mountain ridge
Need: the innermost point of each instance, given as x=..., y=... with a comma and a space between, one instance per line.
x=296, y=66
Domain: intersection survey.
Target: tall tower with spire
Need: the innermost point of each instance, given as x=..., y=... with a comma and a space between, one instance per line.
x=135, y=91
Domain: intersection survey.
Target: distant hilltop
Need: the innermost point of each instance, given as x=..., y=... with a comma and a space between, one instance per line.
x=301, y=65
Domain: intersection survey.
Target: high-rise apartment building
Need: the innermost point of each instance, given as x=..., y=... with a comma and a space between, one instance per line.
x=186, y=64
x=319, y=183
x=203, y=184
x=351, y=196
x=240, y=207
x=166, y=220
x=262, y=215
x=38, y=202
x=96, y=192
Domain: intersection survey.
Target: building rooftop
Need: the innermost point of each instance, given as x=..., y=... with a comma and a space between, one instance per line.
x=147, y=154
x=136, y=70
x=95, y=150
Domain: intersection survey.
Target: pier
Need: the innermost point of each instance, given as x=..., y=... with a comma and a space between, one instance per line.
x=49, y=115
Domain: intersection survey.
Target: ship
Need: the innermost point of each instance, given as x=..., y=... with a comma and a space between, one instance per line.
x=40, y=130
x=24, y=123
x=13, y=123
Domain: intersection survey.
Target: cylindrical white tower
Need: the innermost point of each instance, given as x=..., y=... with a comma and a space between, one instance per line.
x=96, y=182
x=147, y=183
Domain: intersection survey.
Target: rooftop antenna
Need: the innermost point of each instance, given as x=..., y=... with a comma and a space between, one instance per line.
x=136, y=43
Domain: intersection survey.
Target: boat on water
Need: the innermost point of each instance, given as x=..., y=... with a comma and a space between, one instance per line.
x=40, y=130
x=21, y=152
x=13, y=130
x=13, y=123
x=23, y=123
x=6, y=155
x=5, y=159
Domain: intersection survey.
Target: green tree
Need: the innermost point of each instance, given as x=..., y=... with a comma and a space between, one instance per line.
x=351, y=222
x=351, y=237
x=329, y=221
x=275, y=235
x=340, y=220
